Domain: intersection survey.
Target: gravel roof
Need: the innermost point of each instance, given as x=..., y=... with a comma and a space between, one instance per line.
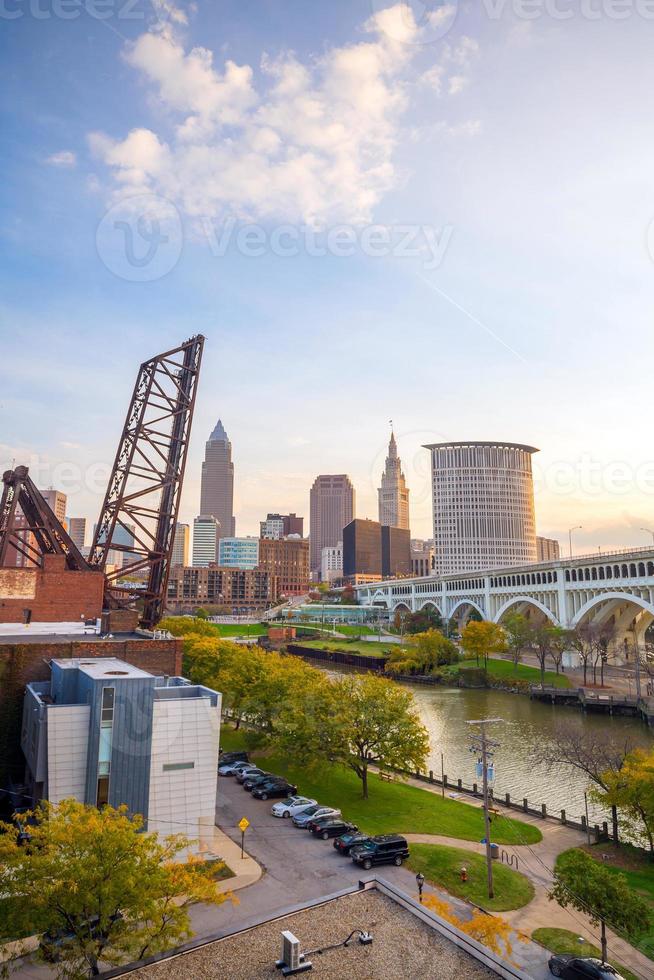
x=402, y=947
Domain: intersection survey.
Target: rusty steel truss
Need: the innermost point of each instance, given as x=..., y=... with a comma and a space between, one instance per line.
x=144, y=490
x=28, y=525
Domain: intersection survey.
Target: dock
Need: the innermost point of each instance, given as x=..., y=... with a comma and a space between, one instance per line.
x=597, y=701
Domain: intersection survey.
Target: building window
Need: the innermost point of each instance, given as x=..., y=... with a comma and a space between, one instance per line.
x=102, y=797
x=174, y=766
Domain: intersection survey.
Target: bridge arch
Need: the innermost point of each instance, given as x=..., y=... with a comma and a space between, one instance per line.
x=378, y=598
x=402, y=605
x=616, y=599
x=468, y=605
x=433, y=604
x=521, y=601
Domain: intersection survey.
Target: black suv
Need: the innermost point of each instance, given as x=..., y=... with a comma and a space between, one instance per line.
x=331, y=827
x=384, y=849
x=225, y=758
x=273, y=788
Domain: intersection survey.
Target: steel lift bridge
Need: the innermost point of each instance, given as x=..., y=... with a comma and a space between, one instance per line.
x=142, y=498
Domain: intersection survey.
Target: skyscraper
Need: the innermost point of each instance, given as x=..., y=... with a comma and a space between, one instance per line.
x=180, y=545
x=483, y=496
x=77, y=530
x=217, y=487
x=332, y=506
x=206, y=534
x=393, y=492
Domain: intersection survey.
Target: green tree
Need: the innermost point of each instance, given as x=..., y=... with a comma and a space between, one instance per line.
x=482, y=638
x=115, y=892
x=201, y=613
x=423, y=652
x=601, y=894
x=546, y=641
x=631, y=790
x=517, y=630
x=376, y=723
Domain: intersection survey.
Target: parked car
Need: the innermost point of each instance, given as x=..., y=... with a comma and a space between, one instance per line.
x=581, y=968
x=290, y=806
x=247, y=772
x=225, y=758
x=331, y=827
x=384, y=849
x=273, y=788
x=345, y=843
x=252, y=781
x=231, y=768
x=315, y=812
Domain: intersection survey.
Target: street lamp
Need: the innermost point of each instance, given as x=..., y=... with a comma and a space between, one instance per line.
x=648, y=530
x=420, y=881
x=578, y=527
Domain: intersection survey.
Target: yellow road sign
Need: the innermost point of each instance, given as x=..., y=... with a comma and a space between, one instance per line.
x=244, y=824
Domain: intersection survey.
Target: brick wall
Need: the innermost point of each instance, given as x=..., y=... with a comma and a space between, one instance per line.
x=21, y=663
x=52, y=594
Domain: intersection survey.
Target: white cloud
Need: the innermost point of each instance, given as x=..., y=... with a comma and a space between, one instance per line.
x=64, y=158
x=302, y=141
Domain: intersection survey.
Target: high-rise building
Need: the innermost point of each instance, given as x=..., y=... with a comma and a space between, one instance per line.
x=80, y=742
x=362, y=550
x=331, y=563
x=56, y=501
x=206, y=534
x=77, y=530
x=393, y=493
x=122, y=541
x=238, y=552
x=181, y=540
x=217, y=487
x=422, y=558
x=395, y=551
x=332, y=506
x=287, y=561
x=242, y=590
x=281, y=525
x=483, y=500
x=547, y=549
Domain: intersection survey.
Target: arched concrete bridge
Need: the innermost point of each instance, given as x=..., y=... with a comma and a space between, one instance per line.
x=617, y=586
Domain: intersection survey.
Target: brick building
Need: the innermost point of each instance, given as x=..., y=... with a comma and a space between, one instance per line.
x=287, y=561
x=52, y=594
x=241, y=589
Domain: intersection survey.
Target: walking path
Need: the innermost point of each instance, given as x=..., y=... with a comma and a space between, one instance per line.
x=536, y=862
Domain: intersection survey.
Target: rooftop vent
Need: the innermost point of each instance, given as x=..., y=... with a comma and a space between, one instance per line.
x=292, y=960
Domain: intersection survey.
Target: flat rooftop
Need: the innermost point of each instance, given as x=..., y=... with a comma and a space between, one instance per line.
x=50, y=638
x=102, y=667
x=403, y=947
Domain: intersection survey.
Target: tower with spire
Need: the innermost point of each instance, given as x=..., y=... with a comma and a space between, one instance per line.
x=393, y=492
x=217, y=486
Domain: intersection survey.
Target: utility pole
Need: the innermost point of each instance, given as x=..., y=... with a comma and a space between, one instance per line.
x=484, y=748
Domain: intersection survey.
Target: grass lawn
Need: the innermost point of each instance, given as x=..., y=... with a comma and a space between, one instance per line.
x=392, y=807
x=564, y=941
x=505, y=671
x=362, y=647
x=442, y=865
x=220, y=869
x=229, y=629
x=344, y=628
x=638, y=869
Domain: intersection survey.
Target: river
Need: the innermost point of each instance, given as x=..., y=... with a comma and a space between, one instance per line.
x=524, y=725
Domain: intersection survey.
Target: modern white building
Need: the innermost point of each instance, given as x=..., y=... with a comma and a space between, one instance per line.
x=238, y=552
x=103, y=731
x=331, y=563
x=206, y=533
x=483, y=500
x=422, y=557
x=180, y=552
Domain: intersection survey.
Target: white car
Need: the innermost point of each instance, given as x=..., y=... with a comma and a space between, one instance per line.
x=291, y=806
x=233, y=767
x=315, y=812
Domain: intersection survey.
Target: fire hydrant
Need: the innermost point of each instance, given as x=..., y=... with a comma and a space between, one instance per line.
x=464, y=874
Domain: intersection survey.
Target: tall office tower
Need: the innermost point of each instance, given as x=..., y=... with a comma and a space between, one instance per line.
x=206, y=534
x=180, y=545
x=362, y=551
x=278, y=526
x=331, y=563
x=217, y=487
x=483, y=499
x=56, y=501
x=331, y=507
x=393, y=493
x=547, y=549
x=121, y=553
x=77, y=530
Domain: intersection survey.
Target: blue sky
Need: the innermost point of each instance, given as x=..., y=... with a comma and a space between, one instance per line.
x=525, y=147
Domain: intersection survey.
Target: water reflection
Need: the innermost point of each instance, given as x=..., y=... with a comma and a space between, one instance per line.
x=525, y=724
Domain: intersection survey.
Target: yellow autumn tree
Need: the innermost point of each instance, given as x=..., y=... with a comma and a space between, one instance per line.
x=489, y=930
